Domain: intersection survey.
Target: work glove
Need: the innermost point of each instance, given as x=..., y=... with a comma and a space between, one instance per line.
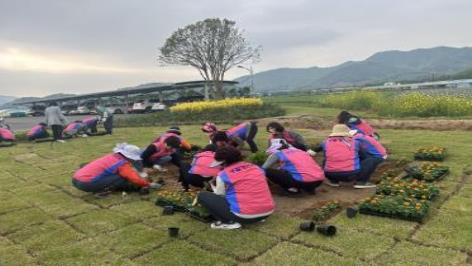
x=155, y=185
x=311, y=152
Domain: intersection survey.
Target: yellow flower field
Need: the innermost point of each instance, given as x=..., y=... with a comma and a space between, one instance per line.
x=204, y=106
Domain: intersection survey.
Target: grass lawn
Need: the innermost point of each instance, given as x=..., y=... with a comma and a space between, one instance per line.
x=44, y=220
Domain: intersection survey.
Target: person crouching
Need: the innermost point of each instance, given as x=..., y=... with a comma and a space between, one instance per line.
x=297, y=171
x=241, y=193
x=112, y=172
x=199, y=172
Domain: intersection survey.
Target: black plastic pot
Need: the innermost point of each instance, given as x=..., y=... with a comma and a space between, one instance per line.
x=307, y=226
x=327, y=230
x=173, y=231
x=351, y=212
x=168, y=210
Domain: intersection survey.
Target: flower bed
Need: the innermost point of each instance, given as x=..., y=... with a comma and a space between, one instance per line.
x=182, y=202
x=396, y=206
x=431, y=153
x=205, y=106
x=427, y=171
x=414, y=188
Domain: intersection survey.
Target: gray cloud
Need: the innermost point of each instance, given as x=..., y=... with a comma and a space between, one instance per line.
x=109, y=34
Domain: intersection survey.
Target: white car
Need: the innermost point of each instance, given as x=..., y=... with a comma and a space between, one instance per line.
x=158, y=107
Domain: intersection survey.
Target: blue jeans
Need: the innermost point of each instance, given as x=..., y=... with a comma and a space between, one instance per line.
x=106, y=183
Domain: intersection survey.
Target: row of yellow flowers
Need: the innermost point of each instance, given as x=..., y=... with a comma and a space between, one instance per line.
x=204, y=106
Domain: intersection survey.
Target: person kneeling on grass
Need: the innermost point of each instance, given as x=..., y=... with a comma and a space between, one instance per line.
x=244, y=132
x=298, y=171
x=7, y=137
x=74, y=129
x=91, y=124
x=356, y=123
x=38, y=132
x=277, y=131
x=161, y=152
x=199, y=171
x=342, y=159
x=241, y=193
x=113, y=172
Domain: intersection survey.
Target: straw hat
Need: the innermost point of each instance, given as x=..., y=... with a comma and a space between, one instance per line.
x=131, y=152
x=340, y=130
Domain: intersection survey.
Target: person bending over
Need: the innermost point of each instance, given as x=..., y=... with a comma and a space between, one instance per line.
x=244, y=132
x=356, y=123
x=199, y=172
x=161, y=152
x=277, y=131
x=38, y=132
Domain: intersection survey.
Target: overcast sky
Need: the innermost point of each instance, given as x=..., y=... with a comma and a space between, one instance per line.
x=68, y=46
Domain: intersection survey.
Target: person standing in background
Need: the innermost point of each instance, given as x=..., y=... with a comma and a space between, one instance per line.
x=56, y=120
x=106, y=117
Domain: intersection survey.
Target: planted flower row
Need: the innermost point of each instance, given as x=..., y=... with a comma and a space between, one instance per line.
x=433, y=153
x=396, y=206
x=427, y=171
x=408, y=188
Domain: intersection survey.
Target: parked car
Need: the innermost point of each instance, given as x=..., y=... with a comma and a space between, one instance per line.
x=147, y=106
x=14, y=112
x=156, y=107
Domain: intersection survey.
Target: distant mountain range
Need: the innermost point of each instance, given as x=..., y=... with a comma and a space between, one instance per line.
x=14, y=100
x=5, y=99
x=418, y=64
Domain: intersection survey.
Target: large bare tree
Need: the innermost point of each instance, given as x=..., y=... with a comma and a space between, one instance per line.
x=212, y=46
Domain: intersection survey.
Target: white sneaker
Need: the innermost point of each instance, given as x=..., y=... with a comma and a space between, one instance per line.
x=61, y=141
x=220, y=225
x=84, y=135
x=159, y=168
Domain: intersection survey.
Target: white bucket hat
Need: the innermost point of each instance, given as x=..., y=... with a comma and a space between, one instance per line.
x=131, y=152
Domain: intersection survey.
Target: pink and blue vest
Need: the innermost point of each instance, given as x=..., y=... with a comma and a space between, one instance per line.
x=73, y=128
x=363, y=127
x=285, y=135
x=201, y=164
x=341, y=154
x=371, y=146
x=36, y=131
x=100, y=168
x=161, y=150
x=300, y=165
x=7, y=134
x=239, y=131
x=90, y=121
x=247, y=191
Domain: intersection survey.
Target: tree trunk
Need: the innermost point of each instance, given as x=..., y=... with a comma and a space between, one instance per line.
x=219, y=89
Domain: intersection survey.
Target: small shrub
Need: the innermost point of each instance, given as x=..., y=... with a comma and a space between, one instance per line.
x=427, y=171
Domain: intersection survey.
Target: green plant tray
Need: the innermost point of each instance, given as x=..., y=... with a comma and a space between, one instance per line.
x=205, y=218
x=393, y=216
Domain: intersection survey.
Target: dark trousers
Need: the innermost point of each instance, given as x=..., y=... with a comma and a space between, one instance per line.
x=146, y=156
x=108, y=124
x=250, y=137
x=107, y=183
x=191, y=179
x=57, y=131
x=300, y=146
x=286, y=181
x=218, y=207
x=368, y=166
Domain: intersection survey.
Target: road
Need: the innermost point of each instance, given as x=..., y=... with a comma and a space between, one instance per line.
x=25, y=123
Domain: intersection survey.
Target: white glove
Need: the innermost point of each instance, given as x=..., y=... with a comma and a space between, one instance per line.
x=143, y=175
x=159, y=168
x=155, y=185
x=311, y=152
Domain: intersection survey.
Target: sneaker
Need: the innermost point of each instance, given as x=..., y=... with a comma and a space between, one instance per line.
x=293, y=190
x=332, y=183
x=159, y=168
x=61, y=141
x=220, y=225
x=364, y=185
x=84, y=135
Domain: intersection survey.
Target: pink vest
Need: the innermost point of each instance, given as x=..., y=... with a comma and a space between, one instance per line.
x=161, y=150
x=247, y=191
x=201, y=164
x=72, y=128
x=238, y=131
x=300, y=165
x=7, y=134
x=341, y=154
x=101, y=167
x=164, y=136
x=90, y=121
x=364, y=128
x=35, y=130
x=371, y=146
